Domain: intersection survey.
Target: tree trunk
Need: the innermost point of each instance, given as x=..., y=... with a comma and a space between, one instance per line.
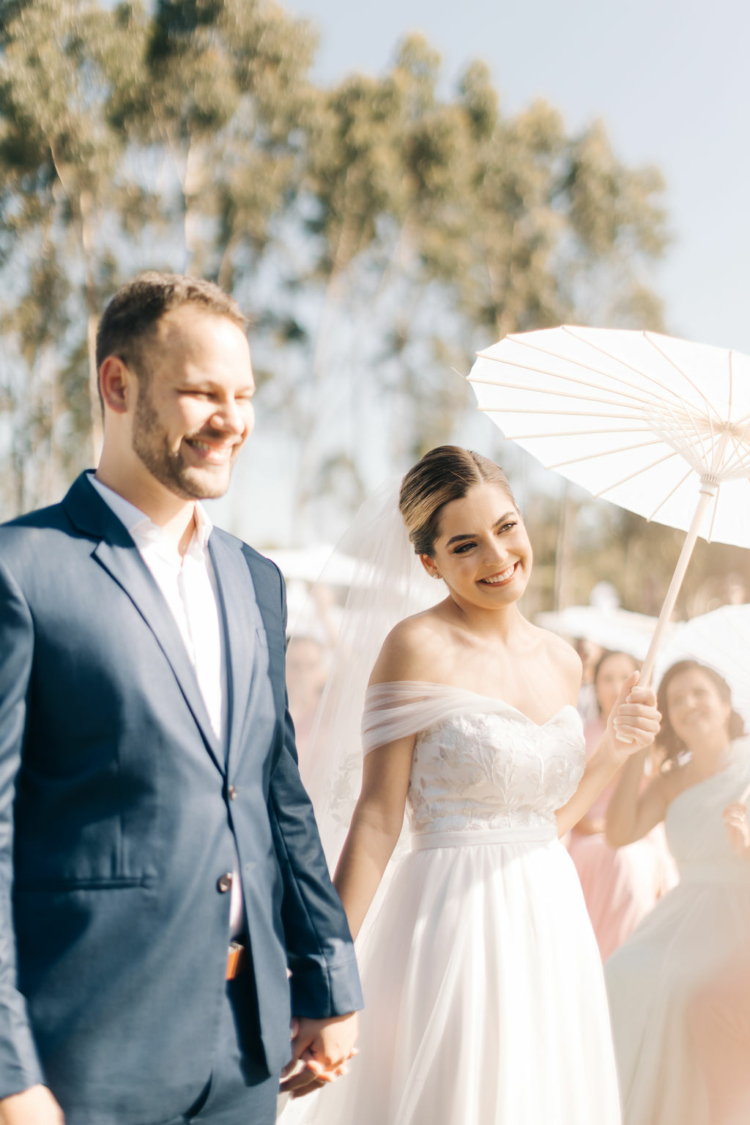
x=192, y=185
x=564, y=554
x=86, y=206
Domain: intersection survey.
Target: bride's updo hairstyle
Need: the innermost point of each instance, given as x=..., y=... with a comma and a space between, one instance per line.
x=443, y=475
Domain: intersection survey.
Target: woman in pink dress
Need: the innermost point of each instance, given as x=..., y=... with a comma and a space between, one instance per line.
x=620, y=885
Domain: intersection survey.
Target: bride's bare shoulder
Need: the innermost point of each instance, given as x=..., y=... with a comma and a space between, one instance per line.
x=561, y=654
x=410, y=650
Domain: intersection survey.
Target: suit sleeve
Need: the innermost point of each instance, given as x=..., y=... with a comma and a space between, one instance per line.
x=320, y=950
x=19, y=1061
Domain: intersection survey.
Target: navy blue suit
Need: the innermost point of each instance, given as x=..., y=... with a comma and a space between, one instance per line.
x=119, y=813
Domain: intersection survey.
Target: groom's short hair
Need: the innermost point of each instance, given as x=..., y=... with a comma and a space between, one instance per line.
x=138, y=306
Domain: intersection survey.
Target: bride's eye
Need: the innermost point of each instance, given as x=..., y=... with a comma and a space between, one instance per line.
x=464, y=548
x=508, y=526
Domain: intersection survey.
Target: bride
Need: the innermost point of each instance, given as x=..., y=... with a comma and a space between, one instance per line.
x=484, y=995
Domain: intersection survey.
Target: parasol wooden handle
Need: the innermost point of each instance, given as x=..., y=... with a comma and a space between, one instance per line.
x=707, y=493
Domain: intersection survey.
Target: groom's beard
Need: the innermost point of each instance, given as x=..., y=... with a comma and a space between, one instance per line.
x=151, y=445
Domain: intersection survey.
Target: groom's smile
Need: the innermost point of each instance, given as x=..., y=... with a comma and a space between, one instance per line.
x=194, y=408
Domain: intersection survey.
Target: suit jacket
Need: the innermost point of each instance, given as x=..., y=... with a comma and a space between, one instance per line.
x=120, y=811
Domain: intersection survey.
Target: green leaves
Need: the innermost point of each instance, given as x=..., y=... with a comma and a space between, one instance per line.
x=376, y=231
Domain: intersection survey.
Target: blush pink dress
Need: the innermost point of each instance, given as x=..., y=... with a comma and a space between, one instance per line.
x=620, y=885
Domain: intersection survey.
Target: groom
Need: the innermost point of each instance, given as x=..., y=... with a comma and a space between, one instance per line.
x=165, y=908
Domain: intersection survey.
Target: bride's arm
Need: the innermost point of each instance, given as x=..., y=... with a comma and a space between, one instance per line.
x=375, y=828
x=635, y=716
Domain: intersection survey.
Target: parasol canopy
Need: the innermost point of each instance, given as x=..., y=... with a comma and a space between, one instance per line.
x=658, y=425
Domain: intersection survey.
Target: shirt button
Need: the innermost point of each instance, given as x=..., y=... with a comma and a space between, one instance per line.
x=232, y=792
x=224, y=884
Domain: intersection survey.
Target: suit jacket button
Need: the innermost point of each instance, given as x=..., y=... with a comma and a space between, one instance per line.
x=232, y=792
x=224, y=884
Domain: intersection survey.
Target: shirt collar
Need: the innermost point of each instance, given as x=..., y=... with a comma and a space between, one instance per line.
x=134, y=520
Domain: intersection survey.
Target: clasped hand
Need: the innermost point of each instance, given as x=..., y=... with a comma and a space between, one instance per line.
x=320, y=1052
x=634, y=721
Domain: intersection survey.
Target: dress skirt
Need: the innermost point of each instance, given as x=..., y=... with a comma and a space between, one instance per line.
x=484, y=993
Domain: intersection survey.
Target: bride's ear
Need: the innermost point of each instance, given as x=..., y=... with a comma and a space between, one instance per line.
x=430, y=566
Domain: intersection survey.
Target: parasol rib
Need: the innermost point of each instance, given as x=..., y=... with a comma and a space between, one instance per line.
x=740, y=451
x=578, y=433
x=605, y=453
x=586, y=366
x=709, y=406
x=555, y=375
x=559, y=394
x=637, y=473
x=539, y=410
x=630, y=366
x=670, y=494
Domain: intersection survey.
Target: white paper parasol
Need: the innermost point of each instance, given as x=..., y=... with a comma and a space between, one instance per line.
x=612, y=628
x=659, y=426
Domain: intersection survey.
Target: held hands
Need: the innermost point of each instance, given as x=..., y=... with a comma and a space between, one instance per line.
x=634, y=721
x=320, y=1052
x=35, y=1106
x=736, y=824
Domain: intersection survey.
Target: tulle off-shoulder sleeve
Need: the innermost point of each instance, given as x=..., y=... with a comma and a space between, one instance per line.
x=397, y=710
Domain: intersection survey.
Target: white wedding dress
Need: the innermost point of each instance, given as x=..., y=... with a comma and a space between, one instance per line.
x=484, y=992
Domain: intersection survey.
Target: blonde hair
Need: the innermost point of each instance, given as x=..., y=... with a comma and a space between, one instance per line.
x=443, y=475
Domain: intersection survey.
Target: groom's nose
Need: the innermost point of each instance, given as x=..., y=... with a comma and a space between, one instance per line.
x=229, y=418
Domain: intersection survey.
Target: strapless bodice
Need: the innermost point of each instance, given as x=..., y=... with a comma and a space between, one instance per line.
x=494, y=770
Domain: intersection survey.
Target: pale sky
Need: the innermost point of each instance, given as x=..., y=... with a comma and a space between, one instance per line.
x=670, y=81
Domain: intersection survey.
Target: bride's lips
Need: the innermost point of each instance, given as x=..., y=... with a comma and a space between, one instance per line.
x=501, y=577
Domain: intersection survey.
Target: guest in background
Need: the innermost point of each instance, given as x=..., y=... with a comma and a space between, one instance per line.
x=620, y=885
x=590, y=654
x=305, y=679
x=720, y=1014
x=697, y=931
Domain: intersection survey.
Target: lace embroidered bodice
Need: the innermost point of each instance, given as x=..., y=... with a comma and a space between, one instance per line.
x=494, y=770
x=478, y=762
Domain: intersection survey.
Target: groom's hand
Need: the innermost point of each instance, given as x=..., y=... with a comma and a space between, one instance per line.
x=320, y=1051
x=35, y=1106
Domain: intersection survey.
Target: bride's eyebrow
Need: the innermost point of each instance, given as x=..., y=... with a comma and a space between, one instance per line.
x=460, y=538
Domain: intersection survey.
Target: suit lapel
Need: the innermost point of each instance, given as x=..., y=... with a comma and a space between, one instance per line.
x=269, y=598
x=236, y=608
x=117, y=554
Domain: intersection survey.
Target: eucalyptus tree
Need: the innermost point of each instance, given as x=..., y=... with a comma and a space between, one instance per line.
x=63, y=198
x=219, y=92
x=439, y=224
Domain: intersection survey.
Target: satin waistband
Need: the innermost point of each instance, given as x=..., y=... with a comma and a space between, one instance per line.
x=469, y=838
x=718, y=874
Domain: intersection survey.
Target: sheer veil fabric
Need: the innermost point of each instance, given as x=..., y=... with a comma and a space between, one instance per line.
x=484, y=991
x=388, y=584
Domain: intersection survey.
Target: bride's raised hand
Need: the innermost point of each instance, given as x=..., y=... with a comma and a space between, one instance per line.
x=634, y=720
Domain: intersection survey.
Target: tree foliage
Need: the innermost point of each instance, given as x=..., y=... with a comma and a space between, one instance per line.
x=375, y=231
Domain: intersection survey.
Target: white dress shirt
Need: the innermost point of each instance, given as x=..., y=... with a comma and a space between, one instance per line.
x=190, y=590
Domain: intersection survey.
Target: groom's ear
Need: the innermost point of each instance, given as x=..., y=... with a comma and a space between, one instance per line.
x=116, y=384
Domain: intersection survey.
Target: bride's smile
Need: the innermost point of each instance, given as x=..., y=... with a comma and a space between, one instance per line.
x=482, y=550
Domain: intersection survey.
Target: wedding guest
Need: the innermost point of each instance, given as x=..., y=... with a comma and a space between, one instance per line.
x=720, y=1014
x=590, y=654
x=695, y=931
x=305, y=680
x=620, y=885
